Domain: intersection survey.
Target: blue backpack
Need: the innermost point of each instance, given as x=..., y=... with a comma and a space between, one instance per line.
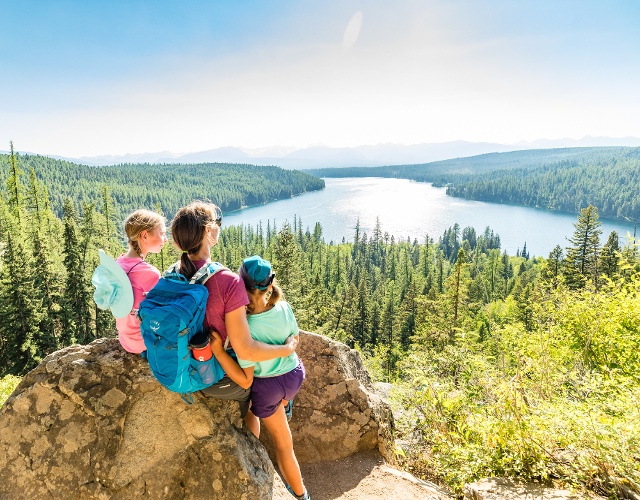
x=170, y=315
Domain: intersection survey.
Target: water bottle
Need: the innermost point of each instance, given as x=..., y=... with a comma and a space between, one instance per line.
x=203, y=354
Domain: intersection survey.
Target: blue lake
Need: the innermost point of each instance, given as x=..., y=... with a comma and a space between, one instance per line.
x=414, y=209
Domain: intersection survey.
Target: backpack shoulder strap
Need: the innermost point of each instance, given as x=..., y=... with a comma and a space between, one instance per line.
x=133, y=267
x=205, y=272
x=172, y=269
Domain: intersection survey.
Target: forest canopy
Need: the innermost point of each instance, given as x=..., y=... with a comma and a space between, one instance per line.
x=169, y=186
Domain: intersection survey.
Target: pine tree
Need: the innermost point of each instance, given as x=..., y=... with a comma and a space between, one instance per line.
x=469, y=235
x=89, y=231
x=387, y=324
x=316, y=304
x=48, y=275
x=376, y=254
x=440, y=271
x=581, y=263
x=356, y=240
x=289, y=266
x=425, y=263
x=4, y=219
x=553, y=268
x=525, y=305
x=506, y=272
x=15, y=188
x=458, y=288
x=109, y=238
x=19, y=309
x=610, y=255
x=74, y=310
x=494, y=258
x=408, y=313
x=360, y=330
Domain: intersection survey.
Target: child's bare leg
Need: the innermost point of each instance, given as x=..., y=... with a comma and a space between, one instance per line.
x=287, y=462
x=253, y=423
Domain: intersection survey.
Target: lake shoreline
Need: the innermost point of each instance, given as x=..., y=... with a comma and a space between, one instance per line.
x=413, y=209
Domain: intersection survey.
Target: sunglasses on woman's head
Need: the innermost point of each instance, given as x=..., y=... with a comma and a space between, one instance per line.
x=218, y=217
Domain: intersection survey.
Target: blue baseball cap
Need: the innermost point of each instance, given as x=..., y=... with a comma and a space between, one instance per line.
x=258, y=271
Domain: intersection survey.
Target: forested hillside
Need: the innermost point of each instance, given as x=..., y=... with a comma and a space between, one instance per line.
x=557, y=179
x=501, y=365
x=169, y=186
x=611, y=186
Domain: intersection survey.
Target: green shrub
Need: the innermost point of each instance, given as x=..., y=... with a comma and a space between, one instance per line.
x=7, y=385
x=559, y=403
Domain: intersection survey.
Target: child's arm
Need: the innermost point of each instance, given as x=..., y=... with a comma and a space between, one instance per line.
x=248, y=348
x=241, y=376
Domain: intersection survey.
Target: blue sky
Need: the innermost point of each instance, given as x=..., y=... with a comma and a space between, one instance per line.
x=82, y=78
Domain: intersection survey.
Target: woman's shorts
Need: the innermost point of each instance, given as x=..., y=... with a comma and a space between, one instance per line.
x=228, y=389
x=267, y=393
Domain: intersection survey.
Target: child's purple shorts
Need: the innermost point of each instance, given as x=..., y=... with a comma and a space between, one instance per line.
x=267, y=393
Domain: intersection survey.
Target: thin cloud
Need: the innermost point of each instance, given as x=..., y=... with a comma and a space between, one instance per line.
x=352, y=31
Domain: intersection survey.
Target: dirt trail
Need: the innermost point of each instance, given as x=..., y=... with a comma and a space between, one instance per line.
x=365, y=477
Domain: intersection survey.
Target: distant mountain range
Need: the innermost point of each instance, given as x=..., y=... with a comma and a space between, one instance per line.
x=360, y=156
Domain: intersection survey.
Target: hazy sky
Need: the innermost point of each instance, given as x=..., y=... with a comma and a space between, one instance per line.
x=86, y=78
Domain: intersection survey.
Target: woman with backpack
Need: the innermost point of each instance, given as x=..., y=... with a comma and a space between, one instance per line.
x=277, y=381
x=195, y=229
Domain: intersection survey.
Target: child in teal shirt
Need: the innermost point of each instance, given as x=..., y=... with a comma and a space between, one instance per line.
x=276, y=381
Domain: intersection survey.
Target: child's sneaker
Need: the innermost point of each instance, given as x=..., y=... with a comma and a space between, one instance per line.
x=288, y=409
x=304, y=496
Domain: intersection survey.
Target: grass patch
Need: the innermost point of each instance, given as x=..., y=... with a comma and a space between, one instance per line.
x=7, y=385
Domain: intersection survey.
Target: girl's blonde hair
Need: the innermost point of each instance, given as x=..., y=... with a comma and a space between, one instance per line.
x=138, y=221
x=188, y=229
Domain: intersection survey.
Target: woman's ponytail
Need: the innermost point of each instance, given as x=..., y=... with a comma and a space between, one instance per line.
x=187, y=268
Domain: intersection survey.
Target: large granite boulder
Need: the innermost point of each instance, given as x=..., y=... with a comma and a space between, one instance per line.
x=92, y=422
x=337, y=412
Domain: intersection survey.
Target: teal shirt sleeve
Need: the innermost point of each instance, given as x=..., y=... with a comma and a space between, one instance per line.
x=246, y=364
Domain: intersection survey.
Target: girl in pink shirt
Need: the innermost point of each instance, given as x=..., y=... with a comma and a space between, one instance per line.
x=146, y=232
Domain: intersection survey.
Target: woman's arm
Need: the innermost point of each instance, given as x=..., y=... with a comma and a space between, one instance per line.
x=248, y=348
x=241, y=376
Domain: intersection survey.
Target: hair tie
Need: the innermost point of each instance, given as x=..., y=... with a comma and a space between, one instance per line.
x=185, y=251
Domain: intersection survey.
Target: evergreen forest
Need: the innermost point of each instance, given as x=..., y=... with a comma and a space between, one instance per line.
x=496, y=364
x=565, y=179
x=133, y=186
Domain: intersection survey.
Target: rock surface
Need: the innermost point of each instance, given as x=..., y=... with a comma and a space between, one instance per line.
x=337, y=412
x=506, y=489
x=92, y=422
x=365, y=476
